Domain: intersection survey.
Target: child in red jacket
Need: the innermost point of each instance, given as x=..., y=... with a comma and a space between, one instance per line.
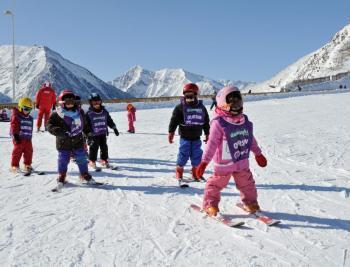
x=131, y=117
x=21, y=131
x=3, y=115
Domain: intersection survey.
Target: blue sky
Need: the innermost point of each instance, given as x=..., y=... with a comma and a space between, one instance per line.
x=247, y=40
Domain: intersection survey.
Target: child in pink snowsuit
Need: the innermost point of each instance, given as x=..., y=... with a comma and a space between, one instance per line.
x=131, y=117
x=231, y=140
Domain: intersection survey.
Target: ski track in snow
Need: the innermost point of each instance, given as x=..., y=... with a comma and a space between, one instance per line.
x=141, y=217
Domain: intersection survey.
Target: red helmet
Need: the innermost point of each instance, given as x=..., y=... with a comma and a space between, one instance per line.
x=191, y=87
x=66, y=93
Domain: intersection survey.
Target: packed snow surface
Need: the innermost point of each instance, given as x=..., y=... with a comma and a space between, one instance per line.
x=141, y=218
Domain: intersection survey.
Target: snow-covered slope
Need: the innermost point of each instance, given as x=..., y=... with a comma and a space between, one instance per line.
x=166, y=82
x=39, y=63
x=141, y=218
x=329, y=60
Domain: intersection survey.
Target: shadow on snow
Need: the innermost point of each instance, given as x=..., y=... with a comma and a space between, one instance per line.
x=303, y=187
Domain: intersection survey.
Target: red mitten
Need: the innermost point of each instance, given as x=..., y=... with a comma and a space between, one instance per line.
x=206, y=138
x=261, y=160
x=201, y=169
x=171, y=138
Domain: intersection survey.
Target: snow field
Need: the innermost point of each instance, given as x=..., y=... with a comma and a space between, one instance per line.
x=141, y=218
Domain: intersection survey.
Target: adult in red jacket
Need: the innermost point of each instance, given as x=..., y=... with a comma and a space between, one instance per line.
x=45, y=101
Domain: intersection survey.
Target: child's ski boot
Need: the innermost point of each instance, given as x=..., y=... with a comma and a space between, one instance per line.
x=105, y=164
x=92, y=164
x=86, y=178
x=61, y=180
x=27, y=170
x=251, y=208
x=212, y=211
x=15, y=169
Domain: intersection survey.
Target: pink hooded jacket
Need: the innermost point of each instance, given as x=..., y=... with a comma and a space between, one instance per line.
x=217, y=147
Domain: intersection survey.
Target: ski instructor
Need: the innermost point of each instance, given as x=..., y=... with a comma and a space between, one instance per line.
x=45, y=101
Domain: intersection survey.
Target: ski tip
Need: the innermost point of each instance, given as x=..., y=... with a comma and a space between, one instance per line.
x=236, y=224
x=195, y=207
x=273, y=223
x=55, y=190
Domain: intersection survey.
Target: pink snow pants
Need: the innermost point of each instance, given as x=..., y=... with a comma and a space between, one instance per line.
x=244, y=183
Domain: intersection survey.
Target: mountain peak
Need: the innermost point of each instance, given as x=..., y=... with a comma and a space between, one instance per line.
x=38, y=63
x=321, y=66
x=137, y=68
x=165, y=82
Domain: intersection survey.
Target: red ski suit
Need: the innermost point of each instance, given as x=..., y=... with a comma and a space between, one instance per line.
x=45, y=100
x=24, y=145
x=131, y=117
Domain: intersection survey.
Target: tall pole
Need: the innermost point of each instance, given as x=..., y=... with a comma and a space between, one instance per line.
x=9, y=13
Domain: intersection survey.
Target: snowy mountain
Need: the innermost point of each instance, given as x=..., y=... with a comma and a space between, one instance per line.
x=4, y=98
x=166, y=82
x=39, y=63
x=320, y=67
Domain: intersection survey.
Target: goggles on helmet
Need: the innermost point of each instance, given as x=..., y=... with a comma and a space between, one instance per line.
x=27, y=109
x=69, y=101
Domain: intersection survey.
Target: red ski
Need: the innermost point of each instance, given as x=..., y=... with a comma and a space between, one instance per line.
x=220, y=218
x=260, y=216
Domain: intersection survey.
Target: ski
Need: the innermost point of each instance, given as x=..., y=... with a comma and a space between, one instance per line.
x=30, y=172
x=97, y=169
x=58, y=188
x=111, y=167
x=182, y=184
x=26, y=173
x=219, y=218
x=260, y=216
x=192, y=180
x=95, y=183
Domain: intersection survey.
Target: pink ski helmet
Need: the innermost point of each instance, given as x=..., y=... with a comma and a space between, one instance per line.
x=221, y=97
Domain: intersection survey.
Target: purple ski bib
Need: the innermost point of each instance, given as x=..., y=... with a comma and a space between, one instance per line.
x=98, y=122
x=74, y=123
x=239, y=138
x=193, y=115
x=26, y=127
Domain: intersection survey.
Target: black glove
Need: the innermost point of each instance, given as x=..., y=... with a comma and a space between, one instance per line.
x=116, y=131
x=37, y=106
x=90, y=141
x=17, y=138
x=53, y=107
x=62, y=134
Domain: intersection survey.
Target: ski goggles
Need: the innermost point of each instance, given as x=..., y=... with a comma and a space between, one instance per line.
x=69, y=101
x=27, y=109
x=190, y=96
x=96, y=102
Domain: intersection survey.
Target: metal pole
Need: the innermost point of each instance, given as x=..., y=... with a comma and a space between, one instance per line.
x=13, y=59
x=9, y=13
